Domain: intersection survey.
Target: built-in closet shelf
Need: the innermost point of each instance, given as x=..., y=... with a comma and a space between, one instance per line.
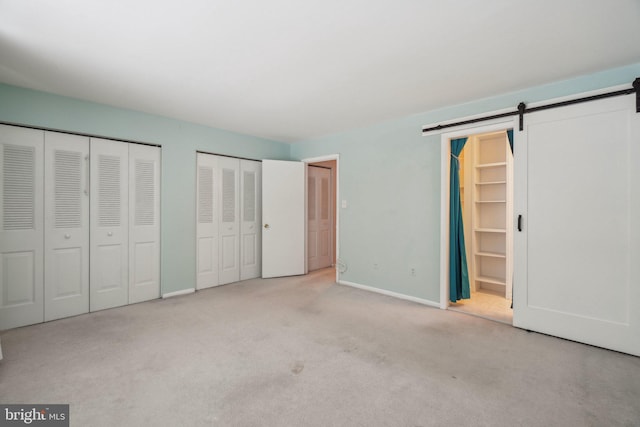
x=491, y=254
x=491, y=183
x=494, y=280
x=491, y=201
x=490, y=230
x=491, y=165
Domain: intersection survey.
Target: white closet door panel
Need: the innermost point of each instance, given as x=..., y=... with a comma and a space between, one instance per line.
x=21, y=226
x=229, y=255
x=144, y=223
x=283, y=216
x=577, y=186
x=250, y=209
x=207, y=221
x=66, y=222
x=109, y=257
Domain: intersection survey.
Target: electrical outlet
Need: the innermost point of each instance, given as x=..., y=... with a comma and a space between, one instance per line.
x=412, y=272
x=375, y=265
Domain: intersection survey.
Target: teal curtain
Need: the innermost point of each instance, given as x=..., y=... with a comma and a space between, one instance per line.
x=458, y=271
x=510, y=137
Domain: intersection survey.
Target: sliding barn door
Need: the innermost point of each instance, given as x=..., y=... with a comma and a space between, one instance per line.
x=250, y=226
x=109, y=281
x=21, y=222
x=229, y=221
x=207, y=218
x=283, y=217
x=144, y=223
x=319, y=217
x=66, y=225
x=578, y=191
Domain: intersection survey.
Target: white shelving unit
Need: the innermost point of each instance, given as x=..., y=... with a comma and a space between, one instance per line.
x=488, y=195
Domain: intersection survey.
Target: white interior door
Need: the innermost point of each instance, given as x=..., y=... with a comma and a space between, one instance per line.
x=21, y=219
x=144, y=223
x=207, y=221
x=251, y=230
x=283, y=217
x=319, y=217
x=66, y=224
x=577, y=173
x=229, y=253
x=109, y=257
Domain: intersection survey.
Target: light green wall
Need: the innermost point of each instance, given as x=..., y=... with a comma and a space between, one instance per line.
x=179, y=141
x=390, y=178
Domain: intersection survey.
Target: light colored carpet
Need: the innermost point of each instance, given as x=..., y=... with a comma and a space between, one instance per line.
x=303, y=351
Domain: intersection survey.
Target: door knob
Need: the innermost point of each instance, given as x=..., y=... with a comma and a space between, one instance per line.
x=266, y=226
x=110, y=234
x=67, y=236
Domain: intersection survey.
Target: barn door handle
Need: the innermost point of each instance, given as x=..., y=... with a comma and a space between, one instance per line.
x=519, y=222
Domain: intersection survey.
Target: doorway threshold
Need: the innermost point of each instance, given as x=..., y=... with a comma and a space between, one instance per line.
x=486, y=305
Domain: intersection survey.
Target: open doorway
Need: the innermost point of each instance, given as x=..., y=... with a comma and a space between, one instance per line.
x=486, y=200
x=322, y=214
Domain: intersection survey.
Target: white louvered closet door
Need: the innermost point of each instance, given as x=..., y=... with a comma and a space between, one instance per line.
x=66, y=225
x=229, y=254
x=109, y=281
x=250, y=210
x=21, y=222
x=144, y=223
x=207, y=218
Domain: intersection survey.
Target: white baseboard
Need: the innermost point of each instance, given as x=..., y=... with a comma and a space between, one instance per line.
x=178, y=293
x=391, y=293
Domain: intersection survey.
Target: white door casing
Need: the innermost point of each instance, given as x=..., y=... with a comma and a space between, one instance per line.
x=21, y=226
x=144, y=223
x=207, y=219
x=577, y=178
x=284, y=218
x=319, y=214
x=229, y=254
x=66, y=225
x=109, y=258
x=251, y=221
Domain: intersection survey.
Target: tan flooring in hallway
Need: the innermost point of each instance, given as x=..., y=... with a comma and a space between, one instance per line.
x=486, y=304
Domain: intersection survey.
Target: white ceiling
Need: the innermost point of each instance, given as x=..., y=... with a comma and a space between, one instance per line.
x=290, y=70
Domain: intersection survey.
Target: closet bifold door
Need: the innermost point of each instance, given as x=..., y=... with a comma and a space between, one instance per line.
x=207, y=242
x=21, y=226
x=229, y=254
x=250, y=211
x=144, y=223
x=109, y=272
x=66, y=225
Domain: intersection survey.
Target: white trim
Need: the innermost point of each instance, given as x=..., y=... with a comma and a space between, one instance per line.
x=504, y=124
x=335, y=157
x=506, y=110
x=390, y=293
x=178, y=293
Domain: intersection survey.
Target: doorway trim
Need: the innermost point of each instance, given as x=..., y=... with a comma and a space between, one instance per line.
x=445, y=151
x=335, y=157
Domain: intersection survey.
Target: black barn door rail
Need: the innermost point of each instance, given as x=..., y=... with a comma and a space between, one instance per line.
x=522, y=108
